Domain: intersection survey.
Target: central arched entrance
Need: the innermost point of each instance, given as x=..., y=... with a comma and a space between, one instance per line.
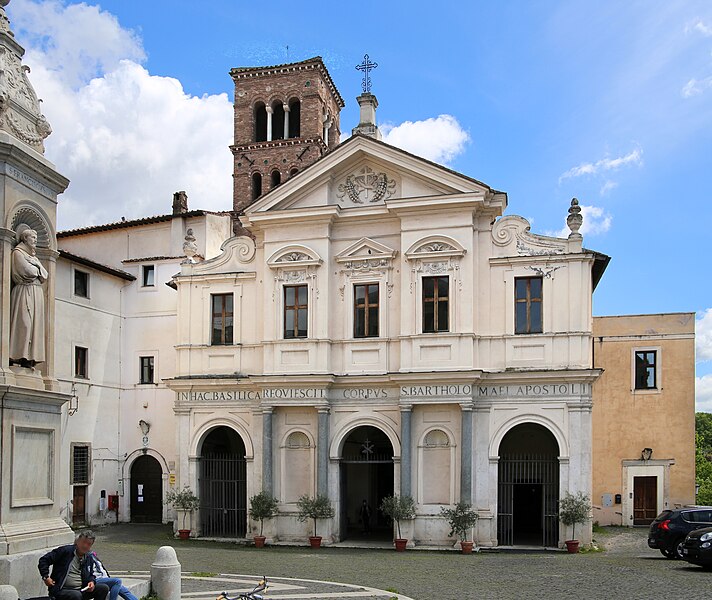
x=146, y=490
x=366, y=475
x=528, y=487
x=222, y=482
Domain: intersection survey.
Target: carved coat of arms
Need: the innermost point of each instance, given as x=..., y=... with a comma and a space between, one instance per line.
x=367, y=186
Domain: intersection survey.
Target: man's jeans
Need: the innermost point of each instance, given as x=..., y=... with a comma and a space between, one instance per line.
x=100, y=593
x=116, y=588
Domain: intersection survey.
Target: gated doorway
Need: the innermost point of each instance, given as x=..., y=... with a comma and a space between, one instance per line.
x=645, y=500
x=146, y=490
x=366, y=474
x=222, y=481
x=528, y=487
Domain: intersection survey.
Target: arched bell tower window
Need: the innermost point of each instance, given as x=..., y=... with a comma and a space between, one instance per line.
x=294, y=118
x=293, y=172
x=256, y=185
x=277, y=120
x=260, y=122
x=276, y=178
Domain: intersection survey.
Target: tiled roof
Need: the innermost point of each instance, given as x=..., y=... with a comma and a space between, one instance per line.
x=88, y=262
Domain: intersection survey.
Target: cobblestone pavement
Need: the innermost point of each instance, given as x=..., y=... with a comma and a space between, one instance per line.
x=626, y=569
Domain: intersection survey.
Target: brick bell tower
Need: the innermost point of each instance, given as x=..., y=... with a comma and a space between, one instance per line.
x=286, y=117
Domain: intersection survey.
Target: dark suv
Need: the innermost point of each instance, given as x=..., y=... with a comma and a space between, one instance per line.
x=670, y=527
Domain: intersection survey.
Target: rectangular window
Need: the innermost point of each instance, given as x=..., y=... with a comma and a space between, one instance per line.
x=148, y=276
x=81, y=362
x=80, y=464
x=366, y=310
x=81, y=284
x=527, y=305
x=295, y=311
x=222, y=319
x=646, y=364
x=436, y=297
x=146, y=363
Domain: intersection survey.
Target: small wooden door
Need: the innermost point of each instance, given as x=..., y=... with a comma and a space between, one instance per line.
x=645, y=500
x=79, y=504
x=146, y=490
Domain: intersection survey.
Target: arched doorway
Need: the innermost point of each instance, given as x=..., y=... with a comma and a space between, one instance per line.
x=528, y=487
x=146, y=490
x=366, y=474
x=222, y=482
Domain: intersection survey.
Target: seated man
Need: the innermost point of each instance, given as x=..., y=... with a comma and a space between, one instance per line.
x=116, y=586
x=71, y=577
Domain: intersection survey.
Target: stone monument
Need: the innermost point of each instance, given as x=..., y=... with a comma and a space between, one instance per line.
x=30, y=400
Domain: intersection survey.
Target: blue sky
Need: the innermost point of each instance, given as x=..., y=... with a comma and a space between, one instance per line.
x=607, y=101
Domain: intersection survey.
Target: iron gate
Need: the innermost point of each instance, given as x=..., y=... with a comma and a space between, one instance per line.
x=516, y=469
x=223, y=495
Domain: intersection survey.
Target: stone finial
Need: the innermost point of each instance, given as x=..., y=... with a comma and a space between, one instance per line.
x=575, y=219
x=20, y=112
x=190, y=248
x=367, y=116
x=180, y=203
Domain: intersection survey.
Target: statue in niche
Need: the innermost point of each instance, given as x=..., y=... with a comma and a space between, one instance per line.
x=27, y=313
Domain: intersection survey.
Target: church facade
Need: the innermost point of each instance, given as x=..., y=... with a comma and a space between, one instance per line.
x=379, y=327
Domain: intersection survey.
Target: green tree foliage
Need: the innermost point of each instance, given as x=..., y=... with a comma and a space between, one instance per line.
x=703, y=457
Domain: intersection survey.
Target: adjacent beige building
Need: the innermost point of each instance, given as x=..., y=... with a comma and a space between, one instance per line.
x=643, y=416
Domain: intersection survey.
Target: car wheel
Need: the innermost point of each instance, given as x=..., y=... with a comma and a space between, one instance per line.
x=677, y=549
x=668, y=553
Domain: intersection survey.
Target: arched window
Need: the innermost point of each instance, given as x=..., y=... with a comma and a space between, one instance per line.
x=298, y=440
x=293, y=172
x=276, y=178
x=256, y=185
x=294, y=118
x=260, y=122
x=277, y=120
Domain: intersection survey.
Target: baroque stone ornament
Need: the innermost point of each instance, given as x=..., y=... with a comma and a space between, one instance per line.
x=367, y=186
x=575, y=219
x=190, y=248
x=20, y=112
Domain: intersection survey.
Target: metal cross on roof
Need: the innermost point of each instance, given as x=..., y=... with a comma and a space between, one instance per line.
x=366, y=66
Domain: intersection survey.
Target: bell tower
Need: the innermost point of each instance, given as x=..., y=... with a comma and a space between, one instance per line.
x=286, y=117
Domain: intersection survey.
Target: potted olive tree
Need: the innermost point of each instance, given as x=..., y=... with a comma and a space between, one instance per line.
x=399, y=508
x=186, y=501
x=573, y=509
x=315, y=508
x=262, y=506
x=461, y=519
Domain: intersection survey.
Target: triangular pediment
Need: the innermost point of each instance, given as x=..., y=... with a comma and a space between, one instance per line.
x=364, y=173
x=363, y=249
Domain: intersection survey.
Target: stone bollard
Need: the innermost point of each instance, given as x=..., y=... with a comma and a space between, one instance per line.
x=165, y=574
x=7, y=592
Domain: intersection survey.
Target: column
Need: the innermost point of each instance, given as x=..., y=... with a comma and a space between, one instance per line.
x=466, y=454
x=267, y=483
x=406, y=414
x=285, y=106
x=270, y=111
x=322, y=457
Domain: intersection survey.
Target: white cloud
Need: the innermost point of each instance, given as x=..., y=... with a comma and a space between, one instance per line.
x=125, y=138
x=699, y=26
x=703, y=336
x=439, y=139
x=695, y=87
x=607, y=187
x=703, y=393
x=596, y=220
x=634, y=157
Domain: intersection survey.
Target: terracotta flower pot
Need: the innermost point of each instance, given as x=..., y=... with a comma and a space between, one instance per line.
x=315, y=541
x=184, y=534
x=572, y=546
x=259, y=541
x=466, y=547
x=400, y=545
